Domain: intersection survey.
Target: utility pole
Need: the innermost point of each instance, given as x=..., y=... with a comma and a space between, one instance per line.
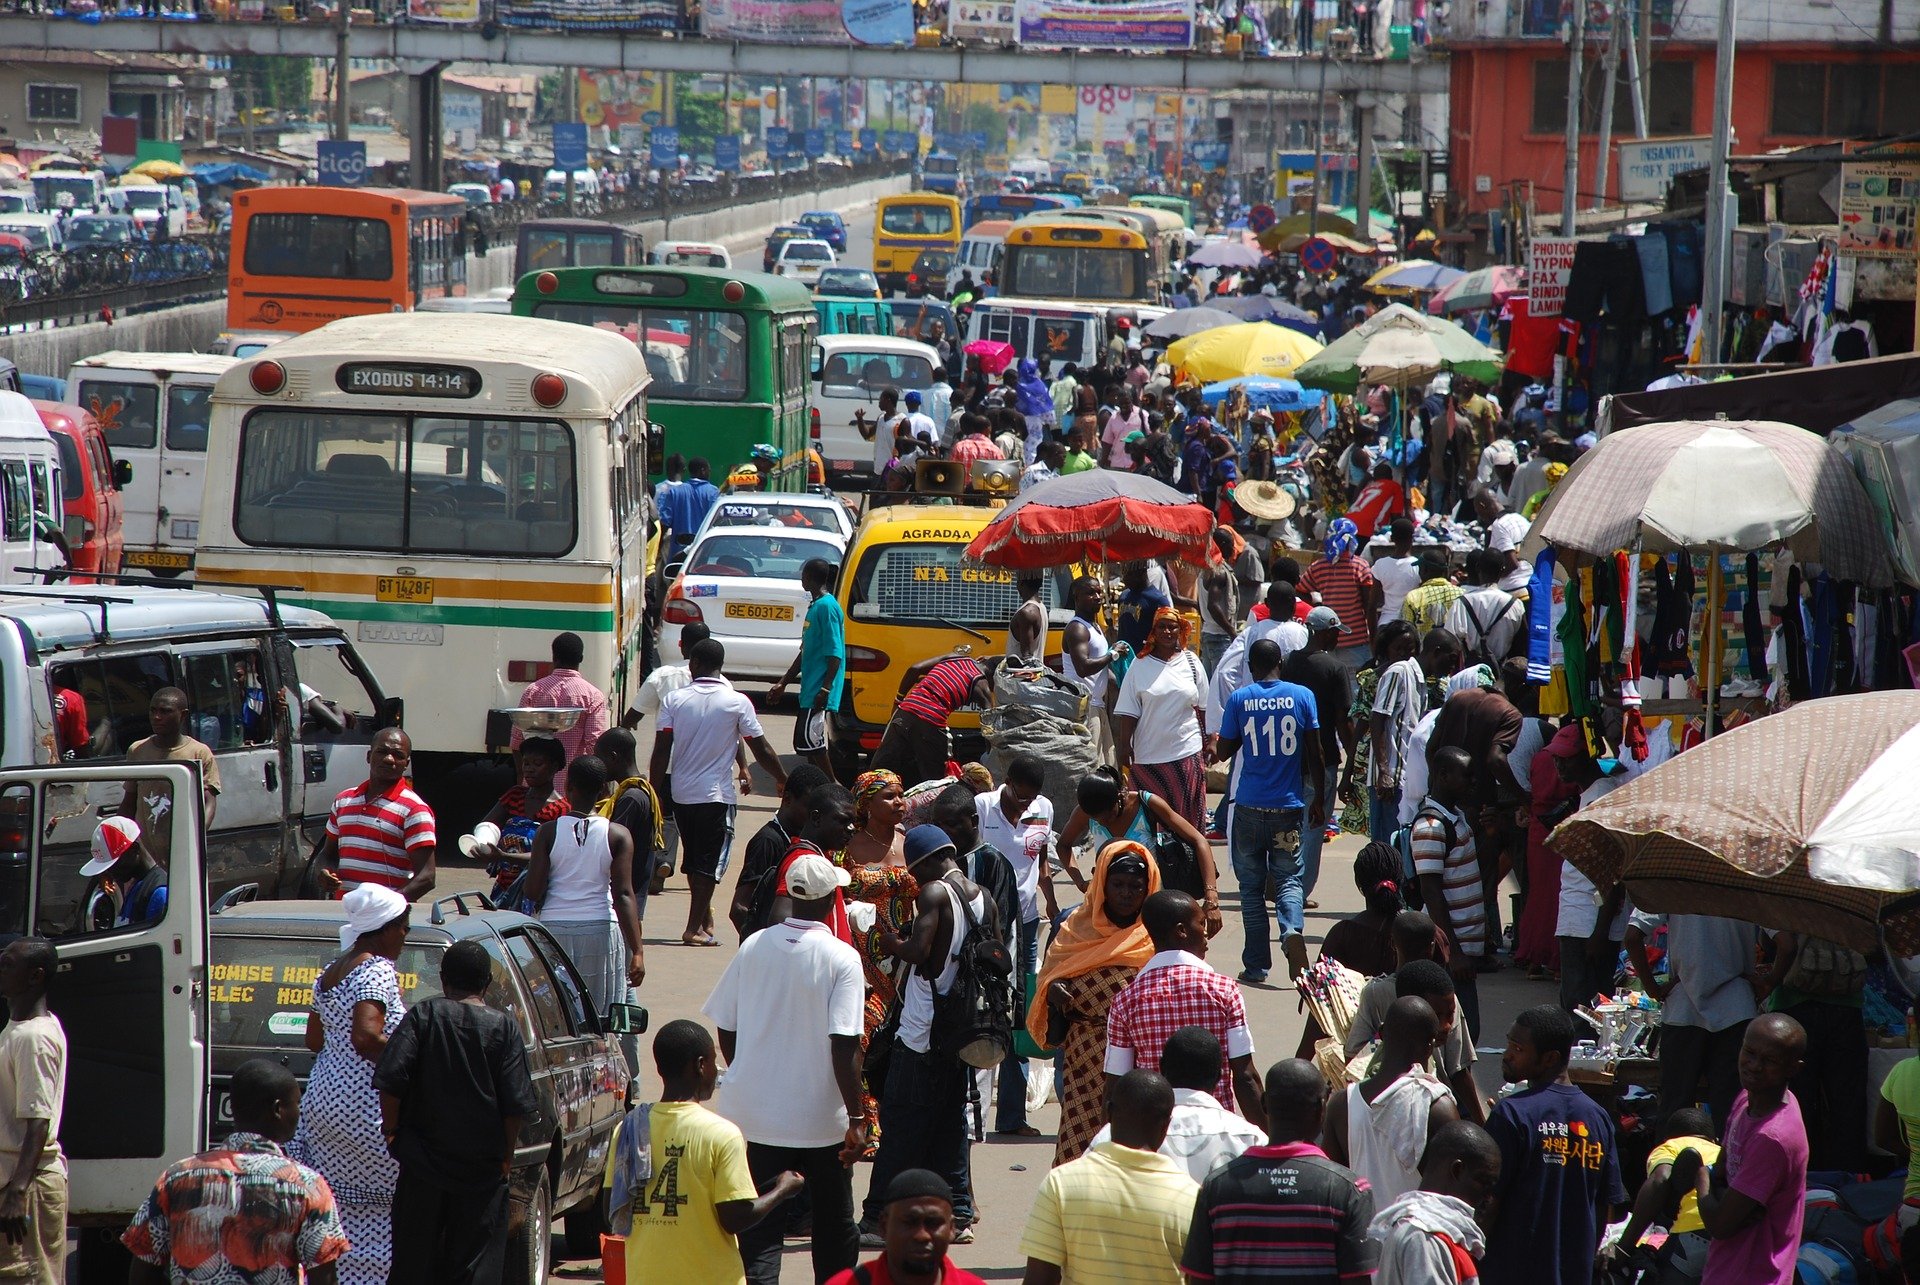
x=343, y=14
x=1643, y=46
x=1576, y=49
x=1635, y=89
x=1319, y=144
x=1713, y=292
x=1610, y=68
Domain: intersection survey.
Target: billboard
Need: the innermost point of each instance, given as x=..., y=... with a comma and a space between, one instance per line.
x=443, y=10
x=619, y=98
x=1879, y=201
x=1103, y=24
x=985, y=21
x=1647, y=165
x=809, y=22
x=594, y=15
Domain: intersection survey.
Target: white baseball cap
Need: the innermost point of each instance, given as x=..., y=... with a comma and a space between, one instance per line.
x=812, y=876
x=113, y=838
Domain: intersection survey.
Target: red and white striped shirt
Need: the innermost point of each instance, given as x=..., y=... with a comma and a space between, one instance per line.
x=378, y=834
x=945, y=688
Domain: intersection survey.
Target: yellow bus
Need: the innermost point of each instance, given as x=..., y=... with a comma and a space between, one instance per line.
x=1165, y=234
x=1065, y=257
x=904, y=226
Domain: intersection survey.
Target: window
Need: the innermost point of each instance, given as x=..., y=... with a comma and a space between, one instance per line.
x=261, y=988
x=58, y=103
x=17, y=495
x=328, y=673
x=573, y=992
x=115, y=691
x=128, y=413
x=334, y=246
x=1669, y=109
x=693, y=354
x=189, y=407
x=73, y=483
x=768, y=557
x=1845, y=100
x=1074, y=272
x=43, y=490
x=400, y=483
x=227, y=693
x=917, y=220
x=594, y=250
x=549, y=1006
x=850, y=373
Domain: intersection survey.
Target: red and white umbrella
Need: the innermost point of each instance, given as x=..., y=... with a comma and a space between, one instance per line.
x=1099, y=515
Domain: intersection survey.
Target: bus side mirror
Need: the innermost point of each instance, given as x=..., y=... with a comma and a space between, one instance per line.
x=122, y=473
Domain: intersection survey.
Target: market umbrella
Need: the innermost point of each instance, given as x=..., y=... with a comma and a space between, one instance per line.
x=160, y=168
x=59, y=161
x=1304, y=224
x=1753, y=825
x=1249, y=348
x=1100, y=514
x=131, y=179
x=1398, y=347
x=1412, y=276
x=1265, y=393
x=1481, y=288
x=1717, y=486
x=11, y=167
x=1226, y=254
x=995, y=355
x=1182, y=322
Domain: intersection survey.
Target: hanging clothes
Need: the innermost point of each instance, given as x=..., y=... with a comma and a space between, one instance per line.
x=1684, y=242
x=1672, y=621
x=1540, y=620
x=1756, y=637
x=1793, y=624
x=1824, y=608
x=1587, y=281
x=1573, y=637
x=1655, y=281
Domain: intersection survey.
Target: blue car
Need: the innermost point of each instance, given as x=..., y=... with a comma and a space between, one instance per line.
x=829, y=227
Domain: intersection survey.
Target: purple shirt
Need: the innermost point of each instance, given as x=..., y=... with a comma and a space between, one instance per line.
x=1766, y=1159
x=568, y=689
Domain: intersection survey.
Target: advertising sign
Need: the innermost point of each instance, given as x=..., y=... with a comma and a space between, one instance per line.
x=460, y=111
x=1878, y=204
x=814, y=143
x=1549, y=264
x=726, y=153
x=986, y=21
x=1647, y=165
x=443, y=11
x=342, y=164
x=569, y=145
x=784, y=22
x=843, y=142
x=897, y=141
x=1101, y=109
x=1102, y=24
x=878, y=22
x=869, y=140
x=663, y=146
x=621, y=97
x=779, y=140
x=592, y=15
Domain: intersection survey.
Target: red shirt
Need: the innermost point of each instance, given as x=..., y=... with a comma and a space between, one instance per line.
x=945, y=688
x=1379, y=502
x=837, y=921
x=377, y=835
x=877, y=1274
x=1342, y=585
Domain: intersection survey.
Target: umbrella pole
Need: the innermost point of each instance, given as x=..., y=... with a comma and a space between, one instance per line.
x=1710, y=662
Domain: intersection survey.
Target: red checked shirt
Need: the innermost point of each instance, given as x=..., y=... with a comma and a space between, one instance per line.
x=1176, y=989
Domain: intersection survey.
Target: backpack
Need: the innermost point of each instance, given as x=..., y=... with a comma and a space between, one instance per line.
x=1475, y=643
x=973, y=1021
x=1826, y=968
x=1403, y=840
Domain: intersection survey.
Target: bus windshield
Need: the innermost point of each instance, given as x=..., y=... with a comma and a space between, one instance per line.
x=918, y=582
x=917, y=220
x=693, y=354
x=396, y=483
x=336, y=246
x=1073, y=272
x=870, y=371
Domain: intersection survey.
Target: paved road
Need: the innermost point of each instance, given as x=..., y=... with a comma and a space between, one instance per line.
x=1007, y=1172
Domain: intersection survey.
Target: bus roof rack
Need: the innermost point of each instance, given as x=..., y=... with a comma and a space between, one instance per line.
x=268, y=592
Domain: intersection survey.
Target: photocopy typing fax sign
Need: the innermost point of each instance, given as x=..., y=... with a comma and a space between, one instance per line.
x=1648, y=165
x=1549, y=264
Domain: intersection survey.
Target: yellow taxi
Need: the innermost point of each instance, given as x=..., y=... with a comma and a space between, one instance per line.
x=908, y=596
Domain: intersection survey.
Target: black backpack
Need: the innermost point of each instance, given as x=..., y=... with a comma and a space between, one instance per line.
x=973, y=1021
x=1475, y=642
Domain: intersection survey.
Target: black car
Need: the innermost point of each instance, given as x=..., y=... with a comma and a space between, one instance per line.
x=265, y=956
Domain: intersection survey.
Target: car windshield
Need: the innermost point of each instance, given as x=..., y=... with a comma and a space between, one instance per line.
x=812, y=253
x=862, y=372
x=813, y=517
x=929, y=582
x=768, y=556
x=261, y=988
x=97, y=231
x=147, y=198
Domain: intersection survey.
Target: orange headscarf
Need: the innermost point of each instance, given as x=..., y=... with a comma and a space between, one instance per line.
x=1089, y=940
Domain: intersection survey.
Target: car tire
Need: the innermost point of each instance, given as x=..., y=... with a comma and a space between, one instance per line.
x=529, y=1250
x=586, y=1222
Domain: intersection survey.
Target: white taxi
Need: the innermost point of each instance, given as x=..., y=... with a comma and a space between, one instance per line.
x=743, y=583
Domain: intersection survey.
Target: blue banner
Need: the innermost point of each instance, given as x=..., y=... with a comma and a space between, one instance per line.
x=896, y=141
x=664, y=149
x=814, y=143
x=569, y=146
x=869, y=140
x=778, y=138
x=977, y=139
x=342, y=164
x=726, y=153
x=843, y=142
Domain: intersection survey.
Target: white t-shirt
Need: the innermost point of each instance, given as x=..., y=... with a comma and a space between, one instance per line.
x=1507, y=532
x=1397, y=578
x=917, y=994
x=708, y=720
x=788, y=989
x=1022, y=842
x=883, y=441
x=663, y=681
x=1202, y=1135
x=1163, y=696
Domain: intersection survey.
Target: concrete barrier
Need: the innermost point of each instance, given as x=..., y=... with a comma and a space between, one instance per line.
x=193, y=327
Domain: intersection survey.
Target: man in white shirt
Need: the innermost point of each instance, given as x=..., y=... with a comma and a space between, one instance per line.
x=885, y=429
x=790, y=1009
x=1202, y=1135
x=1486, y=618
x=1396, y=571
x=701, y=729
x=1505, y=533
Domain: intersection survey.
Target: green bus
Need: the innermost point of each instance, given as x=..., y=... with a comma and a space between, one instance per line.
x=1156, y=201
x=730, y=354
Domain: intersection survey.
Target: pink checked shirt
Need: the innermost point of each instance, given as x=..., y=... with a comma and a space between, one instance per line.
x=568, y=689
x=1173, y=990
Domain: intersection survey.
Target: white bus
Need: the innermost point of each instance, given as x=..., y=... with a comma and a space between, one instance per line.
x=461, y=488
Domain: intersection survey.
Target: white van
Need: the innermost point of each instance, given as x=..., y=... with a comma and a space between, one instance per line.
x=980, y=250
x=849, y=372
x=40, y=231
x=81, y=191
x=18, y=200
x=157, y=208
x=155, y=408
x=690, y=254
x=1060, y=332
x=586, y=185
x=30, y=494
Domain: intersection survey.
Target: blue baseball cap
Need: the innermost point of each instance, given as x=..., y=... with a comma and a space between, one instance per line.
x=925, y=840
x=913, y=397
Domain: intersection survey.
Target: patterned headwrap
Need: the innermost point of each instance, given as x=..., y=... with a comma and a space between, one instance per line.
x=1342, y=537
x=1555, y=472
x=869, y=784
x=1163, y=614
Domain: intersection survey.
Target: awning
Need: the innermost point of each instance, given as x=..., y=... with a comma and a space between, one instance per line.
x=1818, y=399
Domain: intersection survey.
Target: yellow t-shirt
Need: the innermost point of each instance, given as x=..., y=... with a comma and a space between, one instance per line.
x=1902, y=1088
x=699, y=1161
x=1116, y=1215
x=1688, y=1219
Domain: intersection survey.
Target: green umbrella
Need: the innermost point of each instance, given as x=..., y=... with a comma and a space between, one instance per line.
x=1398, y=347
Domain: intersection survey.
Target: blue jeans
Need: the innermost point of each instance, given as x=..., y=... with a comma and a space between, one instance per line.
x=1266, y=843
x=1010, y=1112
x=1383, y=815
x=1314, y=837
x=1212, y=648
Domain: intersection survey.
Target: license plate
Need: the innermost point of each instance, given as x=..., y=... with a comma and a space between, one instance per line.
x=403, y=589
x=758, y=611
x=158, y=558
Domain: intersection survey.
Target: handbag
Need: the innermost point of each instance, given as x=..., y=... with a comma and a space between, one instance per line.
x=1179, y=863
x=880, y=1045
x=1023, y=1044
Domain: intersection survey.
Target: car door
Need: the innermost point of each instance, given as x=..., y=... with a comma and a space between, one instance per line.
x=132, y=1000
x=338, y=713
x=183, y=458
x=126, y=405
x=576, y=1056
x=234, y=713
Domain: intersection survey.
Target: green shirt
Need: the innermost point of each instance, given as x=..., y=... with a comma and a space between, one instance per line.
x=1902, y=1088
x=823, y=637
x=1077, y=462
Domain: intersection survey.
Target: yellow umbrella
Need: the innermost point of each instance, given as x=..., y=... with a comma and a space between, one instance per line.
x=1254, y=348
x=60, y=162
x=160, y=168
x=131, y=179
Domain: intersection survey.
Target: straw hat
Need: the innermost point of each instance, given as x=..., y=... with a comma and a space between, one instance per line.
x=1264, y=500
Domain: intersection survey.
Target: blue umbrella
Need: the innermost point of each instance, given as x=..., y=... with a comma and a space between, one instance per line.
x=1259, y=307
x=1264, y=392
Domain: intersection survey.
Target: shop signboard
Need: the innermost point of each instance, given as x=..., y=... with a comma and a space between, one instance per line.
x=983, y=21
x=569, y=145
x=785, y=22
x=726, y=153
x=1549, y=264
x=869, y=140
x=814, y=143
x=1879, y=201
x=663, y=148
x=342, y=164
x=1648, y=165
x=1104, y=24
